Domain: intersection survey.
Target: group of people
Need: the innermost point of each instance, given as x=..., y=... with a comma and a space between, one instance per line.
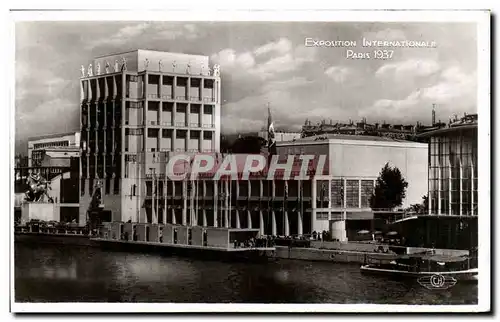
x=266, y=241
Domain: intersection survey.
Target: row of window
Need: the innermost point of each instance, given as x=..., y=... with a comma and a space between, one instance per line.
x=169, y=80
x=50, y=144
x=351, y=193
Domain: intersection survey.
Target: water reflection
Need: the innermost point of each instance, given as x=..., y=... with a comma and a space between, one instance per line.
x=62, y=274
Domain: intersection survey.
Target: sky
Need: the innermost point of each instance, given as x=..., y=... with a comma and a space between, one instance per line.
x=261, y=63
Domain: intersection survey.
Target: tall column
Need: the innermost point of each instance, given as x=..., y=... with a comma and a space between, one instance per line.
x=313, y=203
x=174, y=85
x=430, y=194
x=449, y=189
x=204, y=211
x=273, y=223
x=216, y=202
x=300, y=208
x=261, y=222
x=287, y=224
x=249, y=218
x=237, y=214
x=226, y=204
x=359, y=193
x=165, y=198
x=461, y=188
x=439, y=190
x=300, y=231
x=184, y=199
x=160, y=83
x=472, y=188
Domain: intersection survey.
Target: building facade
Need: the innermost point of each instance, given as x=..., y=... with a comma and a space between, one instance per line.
x=323, y=201
x=137, y=109
x=453, y=168
x=62, y=142
x=354, y=164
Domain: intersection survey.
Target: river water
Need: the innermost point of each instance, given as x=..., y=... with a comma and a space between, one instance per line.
x=48, y=273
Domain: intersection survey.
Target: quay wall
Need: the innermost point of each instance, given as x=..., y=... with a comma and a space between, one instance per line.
x=324, y=255
x=368, y=247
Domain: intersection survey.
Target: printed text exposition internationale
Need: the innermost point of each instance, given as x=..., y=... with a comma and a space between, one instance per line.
x=312, y=42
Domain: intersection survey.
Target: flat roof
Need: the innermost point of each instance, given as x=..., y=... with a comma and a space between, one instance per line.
x=350, y=137
x=448, y=130
x=50, y=136
x=141, y=49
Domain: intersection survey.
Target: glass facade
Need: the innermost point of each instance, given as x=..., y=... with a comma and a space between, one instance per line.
x=453, y=173
x=357, y=193
x=366, y=192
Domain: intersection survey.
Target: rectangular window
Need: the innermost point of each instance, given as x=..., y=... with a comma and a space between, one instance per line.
x=321, y=216
x=352, y=193
x=82, y=187
x=366, y=192
x=108, y=186
x=116, y=186
x=337, y=192
x=131, y=158
x=91, y=186
x=133, y=132
x=152, y=133
x=207, y=135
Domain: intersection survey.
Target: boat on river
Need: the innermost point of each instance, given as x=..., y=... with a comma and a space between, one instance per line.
x=416, y=266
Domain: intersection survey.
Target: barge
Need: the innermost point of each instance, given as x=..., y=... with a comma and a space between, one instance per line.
x=421, y=266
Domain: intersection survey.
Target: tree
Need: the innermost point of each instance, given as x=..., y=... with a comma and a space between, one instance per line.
x=420, y=208
x=390, y=189
x=248, y=144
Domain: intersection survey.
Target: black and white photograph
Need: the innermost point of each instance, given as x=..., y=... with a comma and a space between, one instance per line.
x=176, y=162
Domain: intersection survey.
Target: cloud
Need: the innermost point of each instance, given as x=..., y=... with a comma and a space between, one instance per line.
x=281, y=46
x=385, y=34
x=122, y=36
x=245, y=64
x=130, y=33
x=454, y=83
x=454, y=91
x=187, y=31
x=287, y=84
x=411, y=67
x=338, y=73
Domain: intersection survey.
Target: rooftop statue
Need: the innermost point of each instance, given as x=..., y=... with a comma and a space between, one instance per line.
x=116, y=66
x=107, y=67
x=124, y=64
x=160, y=65
x=83, y=71
x=38, y=188
x=89, y=71
x=146, y=64
x=174, y=64
x=188, y=68
x=98, y=69
x=216, y=70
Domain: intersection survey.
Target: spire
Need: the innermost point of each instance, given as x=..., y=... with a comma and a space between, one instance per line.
x=433, y=114
x=271, y=142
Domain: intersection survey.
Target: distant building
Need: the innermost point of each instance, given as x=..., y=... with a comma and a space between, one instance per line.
x=453, y=168
x=53, y=149
x=281, y=136
x=452, y=219
x=398, y=131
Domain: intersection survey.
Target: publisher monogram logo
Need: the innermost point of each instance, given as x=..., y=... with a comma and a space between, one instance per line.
x=437, y=282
